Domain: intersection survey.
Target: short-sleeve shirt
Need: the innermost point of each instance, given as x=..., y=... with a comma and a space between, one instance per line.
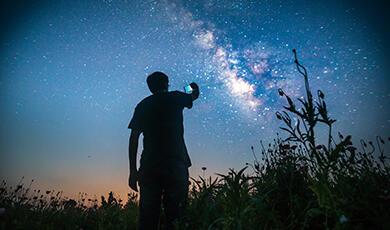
x=160, y=118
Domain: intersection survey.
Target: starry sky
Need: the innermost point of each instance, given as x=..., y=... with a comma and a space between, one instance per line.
x=73, y=71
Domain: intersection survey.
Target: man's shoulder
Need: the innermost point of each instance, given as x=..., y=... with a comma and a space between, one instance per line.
x=145, y=101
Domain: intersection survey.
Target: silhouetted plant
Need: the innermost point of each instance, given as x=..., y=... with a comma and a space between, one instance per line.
x=331, y=172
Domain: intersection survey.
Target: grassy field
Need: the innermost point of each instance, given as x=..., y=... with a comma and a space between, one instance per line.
x=294, y=183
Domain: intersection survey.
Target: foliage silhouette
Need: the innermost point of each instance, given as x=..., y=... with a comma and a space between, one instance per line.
x=300, y=184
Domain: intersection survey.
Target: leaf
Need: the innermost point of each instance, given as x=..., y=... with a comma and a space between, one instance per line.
x=323, y=194
x=313, y=212
x=290, y=102
x=351, y=149
x=278, y=115
x=287, y=130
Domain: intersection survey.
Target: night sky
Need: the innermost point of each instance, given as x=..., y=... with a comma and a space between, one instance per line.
x=72, y=73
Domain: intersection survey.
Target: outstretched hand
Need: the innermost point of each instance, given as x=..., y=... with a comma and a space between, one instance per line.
x=195, y=92
x=194, y=86
x=133, y=178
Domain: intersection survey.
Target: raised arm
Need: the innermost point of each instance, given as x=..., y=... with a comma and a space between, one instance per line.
x=133, y=148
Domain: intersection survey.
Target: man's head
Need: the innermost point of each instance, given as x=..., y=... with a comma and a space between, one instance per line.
x=157, y=82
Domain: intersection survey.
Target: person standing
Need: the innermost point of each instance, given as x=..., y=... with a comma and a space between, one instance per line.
x=163, y=173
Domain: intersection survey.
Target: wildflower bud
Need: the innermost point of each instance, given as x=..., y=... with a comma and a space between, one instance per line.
x=257, y=167
x=321, y=94
x=281, y=93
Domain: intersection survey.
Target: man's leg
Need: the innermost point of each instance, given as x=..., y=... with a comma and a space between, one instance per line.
x=174, y=201
x=149, y=206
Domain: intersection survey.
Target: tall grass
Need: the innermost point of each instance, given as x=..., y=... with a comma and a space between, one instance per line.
x=294, y=183
x=23, y=208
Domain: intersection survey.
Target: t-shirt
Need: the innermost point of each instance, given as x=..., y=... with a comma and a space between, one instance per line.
x=160, y=118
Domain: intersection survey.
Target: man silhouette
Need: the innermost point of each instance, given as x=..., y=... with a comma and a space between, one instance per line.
x=163, y=172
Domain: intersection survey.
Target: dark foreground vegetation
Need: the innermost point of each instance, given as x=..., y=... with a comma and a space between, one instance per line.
x=293, y=183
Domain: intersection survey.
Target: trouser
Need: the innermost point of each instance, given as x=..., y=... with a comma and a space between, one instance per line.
x=171, y=190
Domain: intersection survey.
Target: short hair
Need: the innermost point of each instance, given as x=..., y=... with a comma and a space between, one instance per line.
x=157, y=81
